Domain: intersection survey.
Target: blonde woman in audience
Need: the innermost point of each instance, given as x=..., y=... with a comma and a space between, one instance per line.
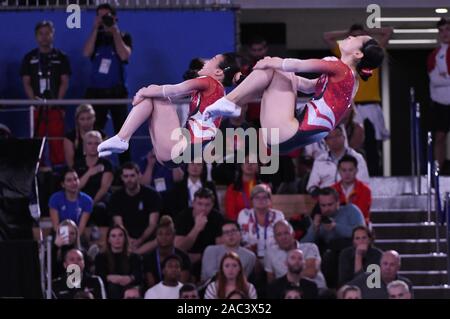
x=96, y=177
x=73, y=140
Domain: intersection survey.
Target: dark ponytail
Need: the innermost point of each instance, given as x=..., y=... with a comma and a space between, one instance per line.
x=230, y=67
x=372, y=59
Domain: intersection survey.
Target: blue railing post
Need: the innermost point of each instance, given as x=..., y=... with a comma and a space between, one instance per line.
x=412, y=140
x=429, y=173
x=447, y=218
x=437, y=205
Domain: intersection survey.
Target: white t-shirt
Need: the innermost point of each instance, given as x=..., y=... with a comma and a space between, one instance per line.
x=161, y=291
x=275, y=261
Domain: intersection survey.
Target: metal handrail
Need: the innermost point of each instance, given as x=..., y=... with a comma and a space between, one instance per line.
x=447, y=219
x=437, y=208
x=49, y=267
x=429, y=173
x=126, y=4
x=415, y=144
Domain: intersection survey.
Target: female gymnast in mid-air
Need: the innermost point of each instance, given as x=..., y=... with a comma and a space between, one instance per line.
x=333, y=92
x=154, y=103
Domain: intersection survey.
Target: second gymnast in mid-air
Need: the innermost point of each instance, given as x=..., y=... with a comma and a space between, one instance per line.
x=275, y=79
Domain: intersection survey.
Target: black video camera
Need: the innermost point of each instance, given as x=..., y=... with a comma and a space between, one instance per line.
x=108, y=20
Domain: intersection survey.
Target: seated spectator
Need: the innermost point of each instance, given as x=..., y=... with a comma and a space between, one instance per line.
x=73, y=140
x=169, y=287
x=160, y=178
x=91, y=284
x=182, y=194
x=350, y=189
x=331, y=230
x=189, y=291
x=165, y=239
x=314, y=150
x=118, y=268
x=229, y=278
x=324, y=171
x=231, y=237
x=355, y=260
x=349, y=292
x=70, y=203
x=132, y=293
x=295, y=264
x=257, y=223
x=96, y=176
x=275, y=259
x=198, y=227
x=398, y=289
x=292, y=293
x=298, y=185
x=67, y=237
x=237, y=195
x=390, y=265
x=135, y=207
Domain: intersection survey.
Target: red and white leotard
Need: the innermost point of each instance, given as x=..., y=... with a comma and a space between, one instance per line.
x=333, y=95
x=211, y=90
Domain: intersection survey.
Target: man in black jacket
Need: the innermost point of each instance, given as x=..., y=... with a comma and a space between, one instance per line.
x=295, y=263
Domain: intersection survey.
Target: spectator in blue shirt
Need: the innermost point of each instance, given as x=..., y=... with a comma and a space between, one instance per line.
x=331, y=230
x=70, y=203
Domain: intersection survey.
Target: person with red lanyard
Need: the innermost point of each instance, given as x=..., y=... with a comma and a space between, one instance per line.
x=350, y=189
x=154, y=103
x=237, y=195
x=333, y=92
x=439, y=73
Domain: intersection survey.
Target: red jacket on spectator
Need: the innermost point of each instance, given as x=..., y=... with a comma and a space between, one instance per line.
x=235, y=200
x=360, y=196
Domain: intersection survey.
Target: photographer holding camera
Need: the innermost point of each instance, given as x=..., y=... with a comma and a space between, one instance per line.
x=109, y=50
x=45, y=73
x=331, y=230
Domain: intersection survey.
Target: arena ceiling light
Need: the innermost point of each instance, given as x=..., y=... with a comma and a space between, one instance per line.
x=441, y=10
x=416, y=30
x=407, y=19
x=412, y=41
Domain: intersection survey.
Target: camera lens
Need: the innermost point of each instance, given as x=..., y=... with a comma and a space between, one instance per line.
x=108, y=20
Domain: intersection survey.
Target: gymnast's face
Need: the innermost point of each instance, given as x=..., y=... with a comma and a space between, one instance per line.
x=353, y=45
x=211, y=67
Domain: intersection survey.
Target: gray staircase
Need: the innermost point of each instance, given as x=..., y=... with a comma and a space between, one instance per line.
x=408, y=231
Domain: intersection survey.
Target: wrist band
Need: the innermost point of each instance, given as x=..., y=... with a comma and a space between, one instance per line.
x=164, y=93
x=283, y=65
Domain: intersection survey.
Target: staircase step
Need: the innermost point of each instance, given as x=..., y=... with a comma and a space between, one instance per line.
x=426, y=278
x=432, y=261
x=387, y=202
x=432, y=292
x=407, y=230
x=400, y=216
x=411, y=246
